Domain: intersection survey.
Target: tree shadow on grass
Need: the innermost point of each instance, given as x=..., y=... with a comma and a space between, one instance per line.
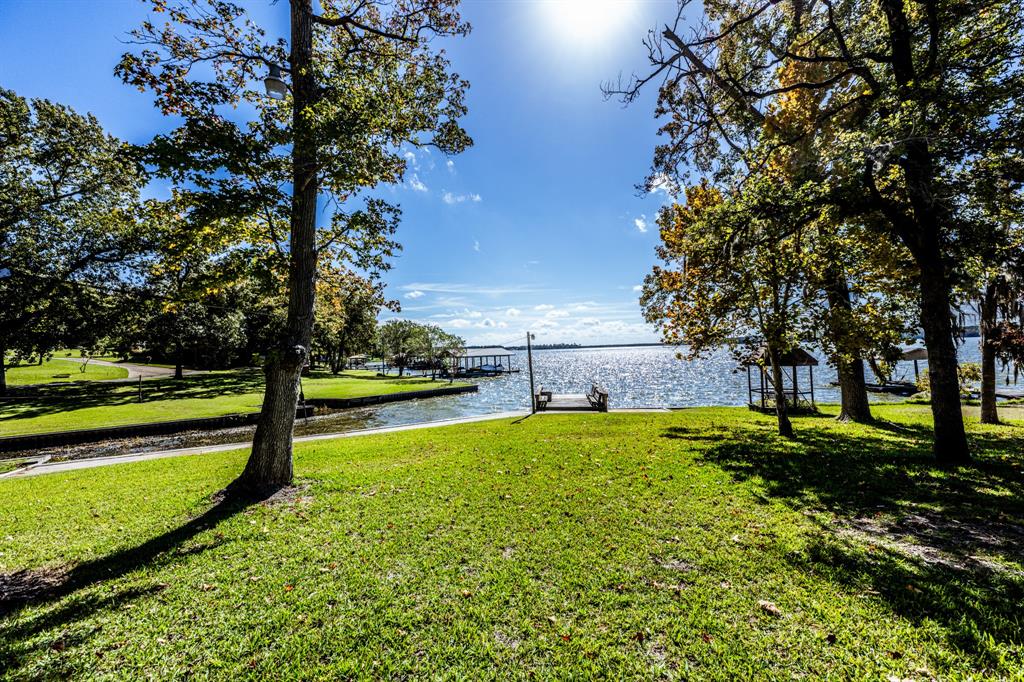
x=66, y=589
x=51, y=399
x=936, y=544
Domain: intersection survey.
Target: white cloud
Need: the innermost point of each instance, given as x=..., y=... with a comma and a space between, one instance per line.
x=638, y=287
x=543, y=306
x=486, y=323
x=545, y=324
x=502, y=324
x=474, y=314
x=415, y=293
x=467, y=288
x=452, y=199
x=451, y=165
x=589, y=321
x=513, y=312
x=557, y=313
x=410, y=159
x=476, y=244
x=417, y=184
x=641, y=223
x=663, y=183
x=459, y=323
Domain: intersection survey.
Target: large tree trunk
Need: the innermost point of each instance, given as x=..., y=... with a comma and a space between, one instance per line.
x=270, y=464
x=943, y=378
x=987, y=323
x=853, y=390
x=781, y=412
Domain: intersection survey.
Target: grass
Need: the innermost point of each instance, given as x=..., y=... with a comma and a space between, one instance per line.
x=54, y=371
x=8, y=465
x=214, y=394
x=693, y=544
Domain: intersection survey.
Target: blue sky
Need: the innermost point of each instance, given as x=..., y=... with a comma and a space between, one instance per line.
x=538, y=226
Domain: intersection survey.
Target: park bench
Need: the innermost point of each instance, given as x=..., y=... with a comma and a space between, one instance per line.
x=598, y=398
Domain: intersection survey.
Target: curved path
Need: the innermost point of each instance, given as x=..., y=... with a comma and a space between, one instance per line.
x=134, y=371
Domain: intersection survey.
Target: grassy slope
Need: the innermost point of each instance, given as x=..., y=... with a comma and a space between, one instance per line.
x=44, y=373
x=206, y=395
x=622, y=546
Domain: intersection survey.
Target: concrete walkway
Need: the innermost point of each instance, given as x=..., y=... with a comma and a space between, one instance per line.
x=50, y=467
x=134, y=371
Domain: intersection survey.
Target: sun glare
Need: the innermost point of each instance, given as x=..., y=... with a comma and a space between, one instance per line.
x=585, y=22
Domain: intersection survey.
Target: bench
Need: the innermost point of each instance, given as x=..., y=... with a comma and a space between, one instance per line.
x=542, y=398
x=598, y=398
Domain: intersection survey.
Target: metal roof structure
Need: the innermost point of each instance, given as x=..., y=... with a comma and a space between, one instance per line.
x=493, y=351
x=798, y=357
x=915, y=353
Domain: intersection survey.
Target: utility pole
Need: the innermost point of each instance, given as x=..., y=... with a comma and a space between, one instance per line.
x=529, y=362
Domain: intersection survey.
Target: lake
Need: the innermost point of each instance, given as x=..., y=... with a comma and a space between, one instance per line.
x=636, y=376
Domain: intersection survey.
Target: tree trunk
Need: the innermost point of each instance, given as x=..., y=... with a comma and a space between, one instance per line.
x=852, y=387
x=987, y=323
x=270, y=464
x=921, y=233
x=179, y=370
x=853, y=392
x=944, y=382
x=781, y=412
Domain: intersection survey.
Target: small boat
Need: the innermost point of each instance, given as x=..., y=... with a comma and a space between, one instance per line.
x=904, y=388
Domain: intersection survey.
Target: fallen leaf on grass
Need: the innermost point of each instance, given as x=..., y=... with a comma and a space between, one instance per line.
x=289, y=588
x=467, y=594
x=707, y=638
x=770, y=608
x=206, y=587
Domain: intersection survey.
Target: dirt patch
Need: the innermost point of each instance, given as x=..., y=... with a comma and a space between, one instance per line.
x=506, y=640
x=674, y=564
x=938, y=540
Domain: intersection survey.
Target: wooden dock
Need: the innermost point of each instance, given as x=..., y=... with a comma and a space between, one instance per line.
x=595, y=401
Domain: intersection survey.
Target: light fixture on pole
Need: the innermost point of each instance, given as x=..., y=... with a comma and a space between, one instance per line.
x=276, y=87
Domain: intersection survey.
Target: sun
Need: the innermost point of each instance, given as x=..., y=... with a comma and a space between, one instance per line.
x=585, y=22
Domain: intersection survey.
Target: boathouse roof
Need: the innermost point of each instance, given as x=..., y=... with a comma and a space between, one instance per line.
x=914, y=353
x=484, y=352
x=797, y=357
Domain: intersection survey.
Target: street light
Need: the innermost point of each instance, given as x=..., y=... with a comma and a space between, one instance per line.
x=276, y=87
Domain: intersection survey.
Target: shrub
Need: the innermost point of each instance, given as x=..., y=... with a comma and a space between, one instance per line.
x=968, y=372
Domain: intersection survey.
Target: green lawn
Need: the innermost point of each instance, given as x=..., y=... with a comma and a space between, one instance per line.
x=693, y=545
x=62, y=408
x=53, y=371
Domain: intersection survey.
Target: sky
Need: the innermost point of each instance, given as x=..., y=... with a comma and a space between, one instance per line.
x=538, y=227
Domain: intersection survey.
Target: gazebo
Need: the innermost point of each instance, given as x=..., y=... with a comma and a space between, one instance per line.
x=915, y=353
x=761, y=394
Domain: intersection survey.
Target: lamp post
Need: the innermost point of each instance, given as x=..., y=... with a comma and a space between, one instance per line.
x=275, y=85
x=529, y=361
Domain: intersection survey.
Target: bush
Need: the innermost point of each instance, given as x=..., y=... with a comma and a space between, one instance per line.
x=969, y=374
